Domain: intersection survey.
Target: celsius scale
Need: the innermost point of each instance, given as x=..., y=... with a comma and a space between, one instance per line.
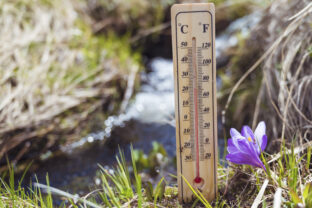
x=193, y=45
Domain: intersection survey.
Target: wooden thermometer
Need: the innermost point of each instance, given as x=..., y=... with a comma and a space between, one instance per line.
x=193, y=44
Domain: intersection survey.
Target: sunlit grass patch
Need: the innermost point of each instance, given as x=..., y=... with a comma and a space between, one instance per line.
x=124, y=188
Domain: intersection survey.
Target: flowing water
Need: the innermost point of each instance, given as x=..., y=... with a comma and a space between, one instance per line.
x=149, y=117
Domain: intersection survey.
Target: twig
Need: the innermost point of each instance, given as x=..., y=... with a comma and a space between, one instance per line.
x=150, y=31
x=277, y=198
x=127, y=204
x=258, y=200
x=97, y=27
x=130, y=88
x=258, y=102
x=271, y=98
x=66, y=194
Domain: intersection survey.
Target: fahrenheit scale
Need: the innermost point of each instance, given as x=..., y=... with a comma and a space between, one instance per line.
x=193, y=41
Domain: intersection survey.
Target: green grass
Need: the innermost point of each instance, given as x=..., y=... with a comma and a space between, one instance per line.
x=290, y=170
x=127, y=188
x=12, y=195
x=239, y=186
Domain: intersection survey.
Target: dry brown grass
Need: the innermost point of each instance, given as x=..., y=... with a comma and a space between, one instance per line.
x=51, y=63
x=284, y=97
x=287, y=74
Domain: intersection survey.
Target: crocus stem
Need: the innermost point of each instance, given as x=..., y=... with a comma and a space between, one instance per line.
x=270, y=174
x=267, y=168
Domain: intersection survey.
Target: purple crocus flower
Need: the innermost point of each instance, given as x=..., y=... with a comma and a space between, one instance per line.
x=246, y=147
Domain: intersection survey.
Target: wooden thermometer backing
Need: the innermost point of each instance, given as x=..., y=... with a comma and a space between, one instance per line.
x=193, y=44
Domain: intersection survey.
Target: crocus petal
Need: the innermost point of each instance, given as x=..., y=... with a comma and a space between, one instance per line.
x=255, y=147
x=242, y=158
x=234, y=133
x=246, y=147
x=231, y=148
x=259, y=133
x=240, y=143
x=247, y=132
x=239, y=158
x=264, y=142
x=236, y=136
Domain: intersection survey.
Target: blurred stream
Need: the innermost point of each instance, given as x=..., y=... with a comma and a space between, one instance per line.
x=149, y=117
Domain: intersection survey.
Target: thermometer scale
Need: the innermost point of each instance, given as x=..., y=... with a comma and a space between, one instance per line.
x=193, y=41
